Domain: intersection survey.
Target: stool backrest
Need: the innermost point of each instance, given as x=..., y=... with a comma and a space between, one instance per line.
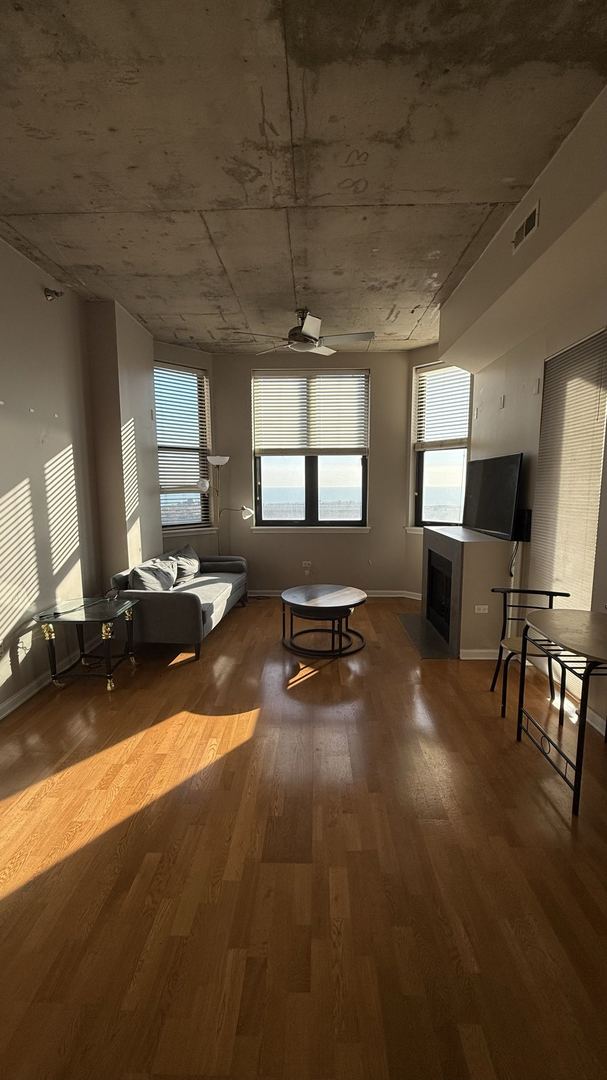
x=517, y=603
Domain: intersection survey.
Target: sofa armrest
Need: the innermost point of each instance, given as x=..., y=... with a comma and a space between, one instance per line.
x=229, y=564
x=166, y=616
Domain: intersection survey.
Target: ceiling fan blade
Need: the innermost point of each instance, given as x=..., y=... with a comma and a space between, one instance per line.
x=347, y=339
x=322, y=350
x=274, y=348
x=311, y=326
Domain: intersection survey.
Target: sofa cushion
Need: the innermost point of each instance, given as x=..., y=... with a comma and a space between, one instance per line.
x=188, y=562
x=212, y=590
x=155, y=575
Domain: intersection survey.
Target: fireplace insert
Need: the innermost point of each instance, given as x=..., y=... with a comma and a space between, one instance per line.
x=438, y=604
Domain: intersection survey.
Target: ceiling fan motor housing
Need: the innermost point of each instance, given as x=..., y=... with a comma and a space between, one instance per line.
x=296, y=336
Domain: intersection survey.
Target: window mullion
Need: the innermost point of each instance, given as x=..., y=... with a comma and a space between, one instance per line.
x=311, y=489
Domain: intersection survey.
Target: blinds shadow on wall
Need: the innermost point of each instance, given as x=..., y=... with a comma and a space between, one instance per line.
x=569, y=474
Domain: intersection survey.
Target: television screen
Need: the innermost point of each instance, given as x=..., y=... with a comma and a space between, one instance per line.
x=492, y=492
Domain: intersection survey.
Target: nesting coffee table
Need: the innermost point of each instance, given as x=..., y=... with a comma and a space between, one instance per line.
x=332, y=604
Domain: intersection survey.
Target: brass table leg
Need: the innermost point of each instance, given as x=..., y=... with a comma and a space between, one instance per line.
x=107, y=633
x=128, y=618
x=48, y=632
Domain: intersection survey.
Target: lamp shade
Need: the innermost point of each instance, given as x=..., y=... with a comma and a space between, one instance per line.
x=203, y=485
x=218, y=459
x=246, y=512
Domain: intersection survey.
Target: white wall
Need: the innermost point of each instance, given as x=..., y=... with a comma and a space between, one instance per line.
x=385, y=558
x=47, y=522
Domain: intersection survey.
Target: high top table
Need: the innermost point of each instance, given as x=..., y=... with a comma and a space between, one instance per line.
x=577, y=640
x=323, y=603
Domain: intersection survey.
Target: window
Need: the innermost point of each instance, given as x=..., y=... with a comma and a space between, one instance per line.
x=569, y=471
x=311, y=445
x=441, y=421
x=183, y=435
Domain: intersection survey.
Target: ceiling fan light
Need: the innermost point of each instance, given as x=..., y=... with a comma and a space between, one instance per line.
x=302, y=346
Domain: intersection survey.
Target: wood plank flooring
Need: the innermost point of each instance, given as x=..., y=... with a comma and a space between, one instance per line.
x=255, y=866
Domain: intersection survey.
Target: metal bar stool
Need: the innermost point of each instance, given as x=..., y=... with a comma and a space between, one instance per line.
x=511, y=643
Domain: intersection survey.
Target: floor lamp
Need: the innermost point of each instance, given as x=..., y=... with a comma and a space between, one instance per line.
x=217, y=462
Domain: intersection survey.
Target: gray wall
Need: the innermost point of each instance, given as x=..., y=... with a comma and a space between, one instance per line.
x=378, y=559
x=138, y=438
x=47, y=533
x=510, y=314
x=121, y=357
x=506, y=296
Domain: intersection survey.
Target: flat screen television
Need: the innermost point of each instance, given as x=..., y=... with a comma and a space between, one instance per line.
x=492, y=496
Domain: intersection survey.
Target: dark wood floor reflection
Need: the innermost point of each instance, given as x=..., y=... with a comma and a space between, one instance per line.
x=255, y=866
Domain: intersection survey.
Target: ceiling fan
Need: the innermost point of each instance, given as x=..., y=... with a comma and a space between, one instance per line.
x=306, y=337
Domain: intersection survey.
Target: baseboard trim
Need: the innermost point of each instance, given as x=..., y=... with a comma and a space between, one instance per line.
x=42, y=680
x=24, y=694
x=596, y=721
x=478, y=654
x=369, y=592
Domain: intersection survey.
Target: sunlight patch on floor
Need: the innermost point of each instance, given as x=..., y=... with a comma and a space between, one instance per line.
x=76, y=806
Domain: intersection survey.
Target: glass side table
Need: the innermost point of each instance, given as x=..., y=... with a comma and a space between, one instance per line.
x=80, y=612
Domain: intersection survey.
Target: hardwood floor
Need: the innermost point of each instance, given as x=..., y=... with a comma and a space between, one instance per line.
x=254, y=866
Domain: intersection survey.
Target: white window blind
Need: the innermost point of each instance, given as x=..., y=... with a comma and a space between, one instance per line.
x=183, y=436
x=442, y=407
x=569, y=472
x=313, y=412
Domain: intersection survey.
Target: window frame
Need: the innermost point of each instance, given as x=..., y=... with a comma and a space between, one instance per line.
x=311, y=457
x=202, y=376
x=439, y=444
x=311, y=518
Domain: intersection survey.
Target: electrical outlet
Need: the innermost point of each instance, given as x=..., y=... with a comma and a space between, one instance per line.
x=306, y=565
x=481, y=609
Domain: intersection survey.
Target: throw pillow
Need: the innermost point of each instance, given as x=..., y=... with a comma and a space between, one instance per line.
x=155, y=575
x=188, y=562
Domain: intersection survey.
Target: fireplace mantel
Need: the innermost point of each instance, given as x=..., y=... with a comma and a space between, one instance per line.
x=478, y=562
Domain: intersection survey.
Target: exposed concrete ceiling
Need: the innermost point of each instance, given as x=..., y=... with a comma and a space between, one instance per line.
x=215, y=165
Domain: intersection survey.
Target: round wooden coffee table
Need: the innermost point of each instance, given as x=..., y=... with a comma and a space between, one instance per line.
x=323, y=603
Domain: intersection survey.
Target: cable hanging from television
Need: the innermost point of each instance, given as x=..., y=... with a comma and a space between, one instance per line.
x=513, y=558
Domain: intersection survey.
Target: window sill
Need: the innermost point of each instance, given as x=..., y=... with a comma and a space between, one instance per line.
x=353, y=529
x=415, y=530
x=172, y=530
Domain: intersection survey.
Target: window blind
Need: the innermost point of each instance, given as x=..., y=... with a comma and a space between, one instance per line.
x=569, y=471
x=183, y=436
x=442, y=407
x=313, y=412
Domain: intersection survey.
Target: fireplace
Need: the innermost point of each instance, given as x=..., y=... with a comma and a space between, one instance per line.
x=438, y=594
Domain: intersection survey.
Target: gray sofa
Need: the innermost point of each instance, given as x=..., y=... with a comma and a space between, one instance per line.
x=187, y=612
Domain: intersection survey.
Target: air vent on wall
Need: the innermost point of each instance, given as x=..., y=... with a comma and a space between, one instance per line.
x=528, y=226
